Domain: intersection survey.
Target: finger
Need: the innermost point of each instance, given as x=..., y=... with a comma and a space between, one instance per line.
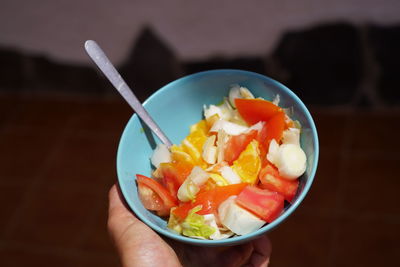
x=261, y=253
x=116, y=203
x=118, y=215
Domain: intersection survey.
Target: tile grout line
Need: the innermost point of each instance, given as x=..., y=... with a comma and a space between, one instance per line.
x=343, y=164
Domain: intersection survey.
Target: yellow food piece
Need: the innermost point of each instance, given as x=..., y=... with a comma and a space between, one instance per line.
x=218, y=179
x=193, y=143
x=248, y=165
x=178, y=154
x=211, y=120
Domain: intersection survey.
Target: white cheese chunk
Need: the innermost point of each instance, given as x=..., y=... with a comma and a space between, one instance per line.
x=160, y=155
x=290, y=159
x=237, y=219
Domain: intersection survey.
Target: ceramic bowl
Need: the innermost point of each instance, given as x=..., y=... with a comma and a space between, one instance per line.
x=178, y=105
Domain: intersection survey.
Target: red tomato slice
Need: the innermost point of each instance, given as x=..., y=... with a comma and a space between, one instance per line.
x=182, y=211
x=236, y=144
x=262, y=143
x=255, y=110
x=209, y=199
x=176, y=170
x=275, y=127
x=223, y=192
x=173, y=175
x=158, y=189
x=263, y=203
x=151, y=200
x=271, y=180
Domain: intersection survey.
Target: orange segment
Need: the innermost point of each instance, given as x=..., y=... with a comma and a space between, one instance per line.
x=193, y=143
x=248, y=165
x=178, y=154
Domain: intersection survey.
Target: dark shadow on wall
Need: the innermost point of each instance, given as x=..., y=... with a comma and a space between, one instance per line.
x=150, y=65
x=329, y=64
x=34, y=73
x=385, y=46
x=323, y=65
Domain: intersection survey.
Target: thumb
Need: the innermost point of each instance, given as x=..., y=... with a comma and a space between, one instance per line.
x=119, y=216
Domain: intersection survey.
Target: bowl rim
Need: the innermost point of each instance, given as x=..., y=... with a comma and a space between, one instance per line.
x=236, y=239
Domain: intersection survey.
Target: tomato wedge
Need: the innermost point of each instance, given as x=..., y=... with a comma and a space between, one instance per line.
x=255, y=110
x=151, y=200
x=209, y=200
x=271, y=180
x=236, y=144
x=275, y=127
x=263, y=203
x=262, y=143
x=158, y=189
x=173, y=175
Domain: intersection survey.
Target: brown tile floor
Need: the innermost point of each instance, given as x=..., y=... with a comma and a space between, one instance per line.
x=58, y=161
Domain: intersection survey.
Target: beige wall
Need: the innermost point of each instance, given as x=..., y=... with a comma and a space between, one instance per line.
x=192, y=28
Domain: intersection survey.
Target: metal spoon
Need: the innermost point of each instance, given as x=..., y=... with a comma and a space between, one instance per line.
x=105, y=65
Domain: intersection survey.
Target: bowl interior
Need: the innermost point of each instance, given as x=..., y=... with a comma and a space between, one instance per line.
x=178, y=105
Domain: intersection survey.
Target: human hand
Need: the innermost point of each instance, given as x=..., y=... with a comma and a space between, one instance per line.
x=139, y=245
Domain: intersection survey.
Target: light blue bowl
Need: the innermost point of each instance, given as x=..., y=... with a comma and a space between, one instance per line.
x=178, y=105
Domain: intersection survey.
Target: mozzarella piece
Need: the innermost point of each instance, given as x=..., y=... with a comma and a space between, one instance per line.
x=229, y=175
x=237, y=219
x=229, y=127
x=191, y=186
x=160, y=155
x=223, y=207
x=290, y=159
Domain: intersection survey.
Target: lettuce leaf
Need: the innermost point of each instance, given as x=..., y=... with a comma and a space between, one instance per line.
x=174, y=223
x=194, y=225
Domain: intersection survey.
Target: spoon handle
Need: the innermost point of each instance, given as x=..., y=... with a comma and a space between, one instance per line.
x=102, y=61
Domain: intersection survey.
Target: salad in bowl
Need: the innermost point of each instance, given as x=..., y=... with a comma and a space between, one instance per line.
x=233, y=172
x=244, y=157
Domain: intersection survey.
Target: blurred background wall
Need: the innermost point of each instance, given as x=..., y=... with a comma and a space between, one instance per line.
x=193, y=29
x=154, y=42
x=60, y=120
